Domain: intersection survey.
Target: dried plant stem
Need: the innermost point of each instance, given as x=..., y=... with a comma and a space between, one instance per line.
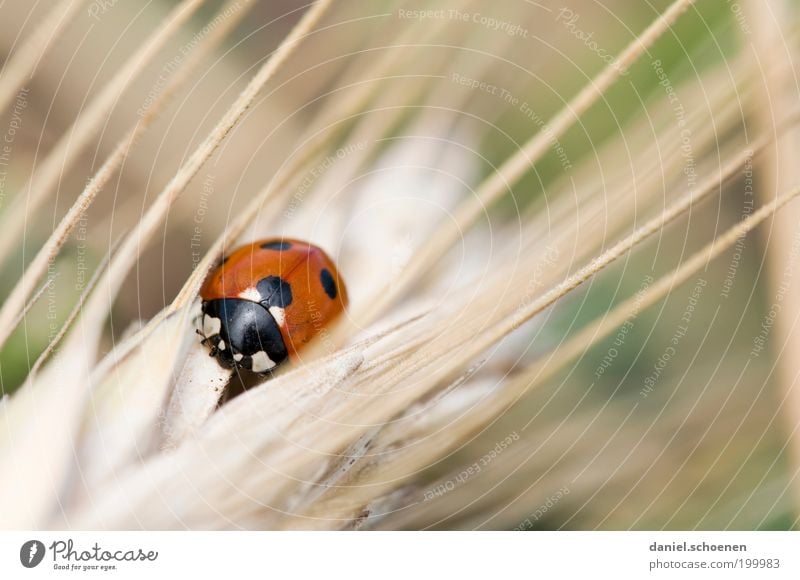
x=21, y=66
x=346, y=106
x=98, y=303
x=197, y=391
x=628, y=243
x=657, y=160
x=409, y=42
x=372, y=130
x=61, y=387
x=61, y=158
x=618, y=315
x=519, y=315
x=444, y=441
x=178, y=183
x=133, y=244
x=610, y=321
x=452, y=354
x=38, y=266
x=56, y=340
x=656, y=163
x=778, y=91
x=514, y=168
x=246, y=415
x=368, y=412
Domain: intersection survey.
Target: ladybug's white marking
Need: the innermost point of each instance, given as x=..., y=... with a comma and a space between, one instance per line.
x=211, y=325
x=238, y=356
x=279, y=314
x=221, y=345
x=261, y=362
x=251, y=294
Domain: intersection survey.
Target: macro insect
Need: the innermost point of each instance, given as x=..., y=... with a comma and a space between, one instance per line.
x=267, y=300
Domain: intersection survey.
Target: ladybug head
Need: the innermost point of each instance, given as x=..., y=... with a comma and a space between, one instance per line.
x=242, y=334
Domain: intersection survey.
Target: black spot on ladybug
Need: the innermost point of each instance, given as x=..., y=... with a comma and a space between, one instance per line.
x=328, y=283
x=280, y=246
x=224, y=259
x=274, y=291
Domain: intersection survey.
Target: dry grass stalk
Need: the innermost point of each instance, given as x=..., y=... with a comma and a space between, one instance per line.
x=376, y=480
x=778, y=88
x=79, y=349
x=66, y=151
x=137, y=240
x=135, y=439
x=21, y=66
x=49, y=251
x=515, y=167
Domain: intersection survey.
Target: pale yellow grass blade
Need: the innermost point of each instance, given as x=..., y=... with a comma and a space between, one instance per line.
x=21, y=66
x=120, y=424
x=79, y=351
x=501, y=180
x=380, y=479
x=140, y=236
x=38, y=266
x=66, y=151
x=778, y=91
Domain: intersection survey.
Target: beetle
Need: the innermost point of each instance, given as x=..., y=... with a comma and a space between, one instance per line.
x=267, y=300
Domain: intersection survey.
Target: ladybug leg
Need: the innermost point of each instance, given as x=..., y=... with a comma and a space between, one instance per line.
x=197, y=322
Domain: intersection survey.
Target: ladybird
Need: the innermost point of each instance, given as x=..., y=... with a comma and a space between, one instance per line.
x=267, y=300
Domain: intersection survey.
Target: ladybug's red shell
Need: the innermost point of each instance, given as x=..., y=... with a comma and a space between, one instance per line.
x=296, y=282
